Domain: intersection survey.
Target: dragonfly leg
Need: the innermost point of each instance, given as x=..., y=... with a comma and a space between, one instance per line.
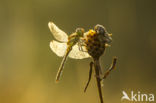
x=90, y=74
x=81, y=47
x=111, y=68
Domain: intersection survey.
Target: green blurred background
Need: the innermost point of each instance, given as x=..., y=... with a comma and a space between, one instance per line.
x=28, y=66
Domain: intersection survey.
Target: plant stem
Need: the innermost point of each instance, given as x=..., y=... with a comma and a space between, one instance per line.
x=97, y=69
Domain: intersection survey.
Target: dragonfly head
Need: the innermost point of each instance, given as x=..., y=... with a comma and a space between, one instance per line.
x=80, y=31
x=102, y=31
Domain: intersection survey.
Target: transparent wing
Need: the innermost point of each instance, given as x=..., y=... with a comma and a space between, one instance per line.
x=77, y=54
x=58, y=48
x=85, y=34
x=58, y=33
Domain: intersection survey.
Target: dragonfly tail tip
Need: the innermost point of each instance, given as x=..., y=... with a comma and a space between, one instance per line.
x=56, y=80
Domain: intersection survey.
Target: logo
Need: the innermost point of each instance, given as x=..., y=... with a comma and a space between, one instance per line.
x=138, y=96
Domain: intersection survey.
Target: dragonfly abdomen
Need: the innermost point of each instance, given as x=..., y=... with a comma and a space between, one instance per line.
x=59, y=73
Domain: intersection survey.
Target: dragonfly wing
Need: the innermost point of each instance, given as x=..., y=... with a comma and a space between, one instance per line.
x=58, y=33
x=77, y=54
x=58, y=48
x=85, y=34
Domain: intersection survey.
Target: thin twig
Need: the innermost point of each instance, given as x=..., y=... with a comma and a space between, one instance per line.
x=98, y=79
x=111, y=68
x=90, y=74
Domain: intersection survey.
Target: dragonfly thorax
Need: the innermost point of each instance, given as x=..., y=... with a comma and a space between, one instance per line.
x=74, y=38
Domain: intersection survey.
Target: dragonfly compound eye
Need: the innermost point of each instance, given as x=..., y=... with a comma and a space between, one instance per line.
x=80, y=31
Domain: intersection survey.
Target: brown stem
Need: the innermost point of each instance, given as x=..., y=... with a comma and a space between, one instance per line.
x=97, y=69
x=90, y=74
x=111, y=68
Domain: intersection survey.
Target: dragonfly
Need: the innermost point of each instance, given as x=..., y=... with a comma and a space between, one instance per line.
x=66, y=46
x=80, y=45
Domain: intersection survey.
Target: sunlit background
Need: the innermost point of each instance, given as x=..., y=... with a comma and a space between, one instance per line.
x=28, y=66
